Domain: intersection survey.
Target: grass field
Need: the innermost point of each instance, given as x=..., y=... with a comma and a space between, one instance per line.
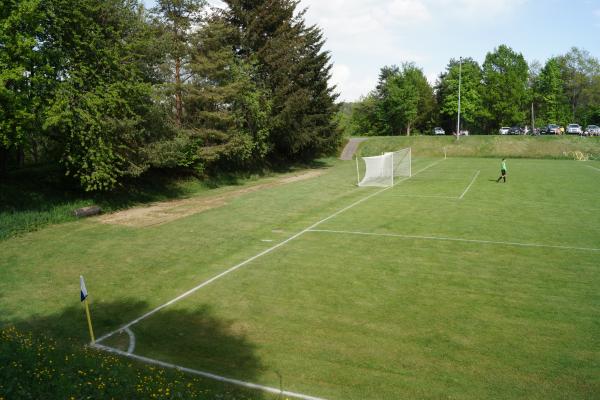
x=446, y=285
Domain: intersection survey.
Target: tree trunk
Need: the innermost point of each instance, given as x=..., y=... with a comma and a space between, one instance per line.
x=20, y=157
x=408, y=130
x=3, y=159
x=178, y=102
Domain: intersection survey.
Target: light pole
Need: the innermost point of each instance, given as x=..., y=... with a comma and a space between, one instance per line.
x=459, y=83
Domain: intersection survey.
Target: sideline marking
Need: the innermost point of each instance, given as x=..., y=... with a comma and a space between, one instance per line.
x=207, y=374
x=470, y=184
x=589, y=166
x=455, y=240
x=267, y=251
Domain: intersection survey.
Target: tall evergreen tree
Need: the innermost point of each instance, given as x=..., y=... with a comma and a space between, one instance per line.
x=177, y=19
x=228, y=112
x=294, y=68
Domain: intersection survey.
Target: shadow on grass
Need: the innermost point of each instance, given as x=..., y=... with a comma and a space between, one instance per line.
x=196, y=339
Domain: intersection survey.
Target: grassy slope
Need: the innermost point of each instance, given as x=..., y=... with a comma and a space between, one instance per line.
x=554, y=147
x=437, y=319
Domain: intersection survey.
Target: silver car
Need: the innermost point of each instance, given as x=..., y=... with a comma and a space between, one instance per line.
x=592, y=130
x=574, y=129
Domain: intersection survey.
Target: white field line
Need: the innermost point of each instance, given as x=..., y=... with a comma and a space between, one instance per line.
x=425, y=196
x=267, y=251
x=535, y=204
x=237, y=382
x=521, y=203
x=589, y=166
x=470, y=184
x=455, y=240
x=131, y=347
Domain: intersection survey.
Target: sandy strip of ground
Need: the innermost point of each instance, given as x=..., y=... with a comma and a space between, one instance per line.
x=167, y=211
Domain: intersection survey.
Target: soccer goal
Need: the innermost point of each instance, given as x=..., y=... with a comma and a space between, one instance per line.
x=381, y=170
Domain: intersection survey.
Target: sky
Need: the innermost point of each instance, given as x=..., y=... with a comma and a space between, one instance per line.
x=363, y=36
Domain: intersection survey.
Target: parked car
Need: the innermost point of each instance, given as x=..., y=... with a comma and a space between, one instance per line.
x=551, y=129
x=592, y=130
x=438, y=131
x=515, y=130
x=574, y=129
x=504, y=130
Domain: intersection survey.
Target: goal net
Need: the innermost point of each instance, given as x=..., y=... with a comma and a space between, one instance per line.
x=381, y=170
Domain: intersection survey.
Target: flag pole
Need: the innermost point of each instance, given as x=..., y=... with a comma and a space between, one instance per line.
x=357, y=173
x=89, y=320
x=84, y=296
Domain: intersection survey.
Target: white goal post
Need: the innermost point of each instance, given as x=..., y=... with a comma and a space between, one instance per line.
x=381, y=170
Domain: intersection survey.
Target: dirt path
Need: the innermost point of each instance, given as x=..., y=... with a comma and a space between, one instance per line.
x=350, y=148
x=167, y=211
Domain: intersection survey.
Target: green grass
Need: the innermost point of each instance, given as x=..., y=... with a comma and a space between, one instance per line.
x=35, y=197
x=539, y=147
x=39, y=367
x=342, y=315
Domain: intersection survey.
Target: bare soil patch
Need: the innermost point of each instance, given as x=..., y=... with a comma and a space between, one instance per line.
x=167, y=211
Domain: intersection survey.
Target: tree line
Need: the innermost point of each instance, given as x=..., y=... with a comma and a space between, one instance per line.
x=504, y=91
x=108, y=89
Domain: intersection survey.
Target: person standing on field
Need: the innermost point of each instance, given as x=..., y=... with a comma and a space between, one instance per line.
x=502, y=171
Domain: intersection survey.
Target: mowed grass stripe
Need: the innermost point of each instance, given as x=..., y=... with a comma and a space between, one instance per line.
x=493, y=211
x=251, y=259
x=322, y=313
x=380, y=319
x=348, y=318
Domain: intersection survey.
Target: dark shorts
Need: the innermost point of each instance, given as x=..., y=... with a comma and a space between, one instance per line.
x=503, y=172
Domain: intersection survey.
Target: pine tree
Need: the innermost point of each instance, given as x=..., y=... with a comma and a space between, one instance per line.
x=177, y=19
x=227, y=112
x=294, y=68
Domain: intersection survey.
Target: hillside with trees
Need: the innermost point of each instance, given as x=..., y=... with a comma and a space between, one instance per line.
x=109, y=90
x=503, y=91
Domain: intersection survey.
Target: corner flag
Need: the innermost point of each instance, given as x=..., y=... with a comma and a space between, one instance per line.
x=84, y=295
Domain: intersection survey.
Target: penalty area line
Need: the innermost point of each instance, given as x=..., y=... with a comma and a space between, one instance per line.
x=470, y=184
x=208, y=375
x=249, y=260
x=393, y=235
